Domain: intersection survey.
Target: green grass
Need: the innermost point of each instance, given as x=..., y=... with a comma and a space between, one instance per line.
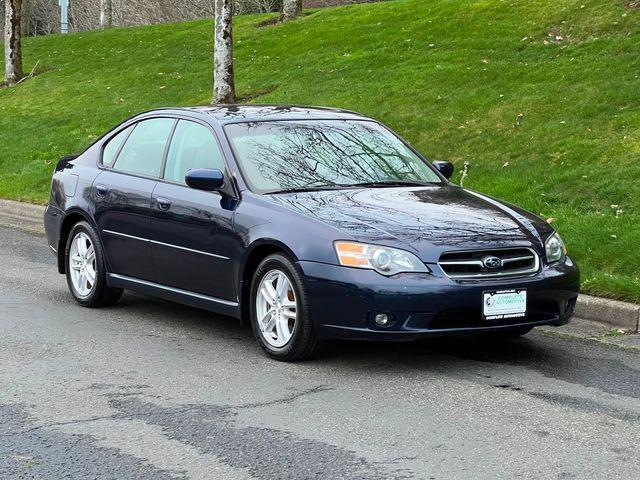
x=451, y=76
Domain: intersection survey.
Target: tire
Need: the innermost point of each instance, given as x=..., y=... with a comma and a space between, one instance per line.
x=303, y=343
x=99, y=294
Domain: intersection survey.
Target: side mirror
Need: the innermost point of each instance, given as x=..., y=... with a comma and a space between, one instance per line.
x=444, y=167
x=209, y=179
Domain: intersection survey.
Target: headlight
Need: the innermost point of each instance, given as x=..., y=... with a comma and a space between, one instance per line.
x=555, y=249
x=385, y=260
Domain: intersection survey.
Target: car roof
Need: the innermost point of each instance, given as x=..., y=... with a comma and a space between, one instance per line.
x=224, y=114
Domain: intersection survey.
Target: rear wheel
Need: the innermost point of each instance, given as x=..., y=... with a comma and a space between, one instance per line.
x=279, y=311
x=85, y=268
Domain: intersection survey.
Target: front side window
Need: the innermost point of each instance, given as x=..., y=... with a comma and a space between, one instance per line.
x=143, y=151
x=284, y=155
x=112, y=148
x=192, y=146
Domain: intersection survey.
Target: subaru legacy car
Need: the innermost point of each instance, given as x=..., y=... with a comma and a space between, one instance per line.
x=308, y=223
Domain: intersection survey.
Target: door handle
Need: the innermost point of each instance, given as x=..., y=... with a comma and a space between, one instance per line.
x=101, y=190
x=163, y=203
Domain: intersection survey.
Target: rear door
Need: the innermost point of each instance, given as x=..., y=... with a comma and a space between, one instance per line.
x=131, y=163
x=192, y=238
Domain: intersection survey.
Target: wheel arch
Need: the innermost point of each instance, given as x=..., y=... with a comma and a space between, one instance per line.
x=71, y=218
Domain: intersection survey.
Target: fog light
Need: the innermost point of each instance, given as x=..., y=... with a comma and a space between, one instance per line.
x=382, y=320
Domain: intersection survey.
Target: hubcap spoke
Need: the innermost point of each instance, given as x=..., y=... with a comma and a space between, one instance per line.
x=282, y=328
x=289, y=314
x=269, y=296
x=90, y=255
x=267, y=327
x=282, y=284
x=82, y=245
x=91, y=275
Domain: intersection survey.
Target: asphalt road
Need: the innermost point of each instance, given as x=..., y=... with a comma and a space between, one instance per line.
x=150, y=389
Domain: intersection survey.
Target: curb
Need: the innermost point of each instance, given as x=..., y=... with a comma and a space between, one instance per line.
x=26, y=216
x=611, y=312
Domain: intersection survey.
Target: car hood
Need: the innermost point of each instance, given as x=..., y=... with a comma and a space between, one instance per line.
x=430, y=220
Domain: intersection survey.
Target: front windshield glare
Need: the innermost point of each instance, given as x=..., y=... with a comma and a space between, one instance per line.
x=320, y=154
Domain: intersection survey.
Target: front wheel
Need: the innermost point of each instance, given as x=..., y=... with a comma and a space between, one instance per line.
x=279, y=311
x=85, y=268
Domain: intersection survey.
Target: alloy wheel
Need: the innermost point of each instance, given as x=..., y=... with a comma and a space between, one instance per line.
x=276, y=308
x=82, y=264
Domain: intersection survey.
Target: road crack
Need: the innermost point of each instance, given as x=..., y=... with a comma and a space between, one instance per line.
x=291, y=398
x=119, y=416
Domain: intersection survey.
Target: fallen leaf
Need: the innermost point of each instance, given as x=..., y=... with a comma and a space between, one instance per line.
x=519, y=119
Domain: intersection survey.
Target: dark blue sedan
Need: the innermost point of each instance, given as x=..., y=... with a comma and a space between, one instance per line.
x=309, y=223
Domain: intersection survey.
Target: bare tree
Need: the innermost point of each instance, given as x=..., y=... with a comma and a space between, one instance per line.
x=290, y=9
x=13, y=41
x=106, y=13
x=223, y=83
x=26, y=17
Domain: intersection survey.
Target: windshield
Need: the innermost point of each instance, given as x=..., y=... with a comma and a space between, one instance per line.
x=307, y=155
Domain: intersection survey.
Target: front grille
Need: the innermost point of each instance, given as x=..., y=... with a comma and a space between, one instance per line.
x=494, y=263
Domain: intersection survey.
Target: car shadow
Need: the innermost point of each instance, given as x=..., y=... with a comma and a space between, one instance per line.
x=198, y=322
x=477, y=358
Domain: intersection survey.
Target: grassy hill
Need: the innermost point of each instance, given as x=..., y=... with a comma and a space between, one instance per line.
x=541, y=97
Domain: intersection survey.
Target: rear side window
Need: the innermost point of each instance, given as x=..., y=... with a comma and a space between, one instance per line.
x=113, y=146
x=142, y=153
x=192, y=146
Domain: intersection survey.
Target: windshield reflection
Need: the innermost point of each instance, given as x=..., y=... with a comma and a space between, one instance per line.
x=284, y=155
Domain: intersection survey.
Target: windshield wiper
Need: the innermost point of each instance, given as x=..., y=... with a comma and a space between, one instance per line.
x=391, y=183
x=340, y=186
x=305, y=189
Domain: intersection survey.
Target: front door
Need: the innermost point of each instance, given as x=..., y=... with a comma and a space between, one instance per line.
x=191, y=230
x=132, y=160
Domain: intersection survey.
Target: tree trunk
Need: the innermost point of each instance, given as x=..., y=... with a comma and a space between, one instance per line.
x=106, y=13
x=13, y=41
x=290, y=9
x=223, y=83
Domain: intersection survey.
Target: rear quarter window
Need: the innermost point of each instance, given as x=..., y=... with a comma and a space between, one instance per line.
x=112, y=147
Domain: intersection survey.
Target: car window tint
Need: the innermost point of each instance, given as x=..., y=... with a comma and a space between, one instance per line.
x=192, y=146
x=111, y=148
x=143, y=151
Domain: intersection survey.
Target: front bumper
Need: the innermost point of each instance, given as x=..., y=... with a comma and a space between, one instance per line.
x=344, y=301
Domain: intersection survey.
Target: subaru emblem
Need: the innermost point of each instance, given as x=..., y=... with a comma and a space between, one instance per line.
x=492, y=262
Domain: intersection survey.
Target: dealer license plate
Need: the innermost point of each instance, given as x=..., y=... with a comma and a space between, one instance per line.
x=503, y=304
